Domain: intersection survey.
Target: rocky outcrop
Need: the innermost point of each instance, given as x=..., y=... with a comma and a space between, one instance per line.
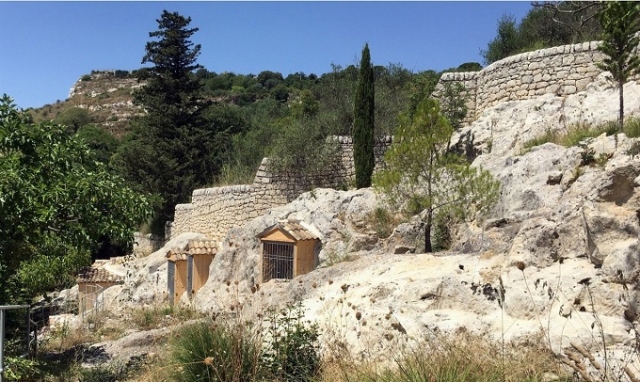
x=555, y=259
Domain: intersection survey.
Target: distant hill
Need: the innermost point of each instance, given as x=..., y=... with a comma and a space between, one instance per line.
x=106, y=95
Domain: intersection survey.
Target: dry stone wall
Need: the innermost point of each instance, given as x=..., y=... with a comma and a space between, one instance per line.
x=561, y=70
x=213, y=211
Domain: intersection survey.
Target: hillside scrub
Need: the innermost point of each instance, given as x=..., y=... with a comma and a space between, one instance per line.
x=422, y=177
x=574, y=134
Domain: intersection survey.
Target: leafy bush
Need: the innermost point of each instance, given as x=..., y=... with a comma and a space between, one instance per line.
x=20, y=369
x=293, y=352
x=632, y=127
x=212, y=351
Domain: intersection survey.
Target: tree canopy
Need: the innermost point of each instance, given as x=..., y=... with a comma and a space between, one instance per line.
x=363, y=121
x=422, y=177
x=56, y=204
x=179, y=144
x=620, y=21
x=546, y=24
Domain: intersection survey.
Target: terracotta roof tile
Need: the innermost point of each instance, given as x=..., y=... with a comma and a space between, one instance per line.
x=195, y=247
x=293, y=228
x=98, y=275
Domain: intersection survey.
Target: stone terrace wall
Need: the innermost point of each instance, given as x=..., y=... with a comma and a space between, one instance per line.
x=146, y=244
x=213, y=211
x=560, y=70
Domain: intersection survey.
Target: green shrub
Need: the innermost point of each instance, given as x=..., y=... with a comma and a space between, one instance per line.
x=212, y=351
x=574, y=134
x=86, y=77
x=293, y=351
x=383, y=222
x=632, y=127
x=20, y=369
x=577, y=133
x=441, y=232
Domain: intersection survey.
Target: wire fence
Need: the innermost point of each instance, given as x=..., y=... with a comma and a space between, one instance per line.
x=30, y=338
x=90, y=301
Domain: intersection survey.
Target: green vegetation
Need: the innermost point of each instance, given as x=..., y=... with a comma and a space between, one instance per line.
x=620, y=21
x=57, y=204
x=464, y=359
x=234, y=350
x=176, y=146
x=74, y=118
x=547, y=24
x=212, y=351
x=422, y=177
x=292, y=352
x=577, y=133
x=363, y=122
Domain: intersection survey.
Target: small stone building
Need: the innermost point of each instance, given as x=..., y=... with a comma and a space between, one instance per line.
x=287, y=250
x=188, y=270
x=91, y=282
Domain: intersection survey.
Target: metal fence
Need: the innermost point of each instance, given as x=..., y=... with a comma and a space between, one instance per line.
x=277, y=261
x=90, y=300
x=30, y=340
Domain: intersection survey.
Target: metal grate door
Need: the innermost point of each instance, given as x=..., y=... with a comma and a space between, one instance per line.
x=189, y=275
x=171, y=280
x=277, y=261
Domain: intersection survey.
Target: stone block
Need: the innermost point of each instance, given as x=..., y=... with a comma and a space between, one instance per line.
x=582, y=84
x=568, y=59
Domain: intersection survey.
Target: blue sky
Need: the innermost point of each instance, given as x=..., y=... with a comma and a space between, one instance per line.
x=46, y=46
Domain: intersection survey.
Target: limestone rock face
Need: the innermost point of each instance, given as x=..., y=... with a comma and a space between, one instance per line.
x=557, y=257
x=504, y=128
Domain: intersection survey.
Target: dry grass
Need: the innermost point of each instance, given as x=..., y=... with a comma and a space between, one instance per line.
x=456, y=358
x=573, y=135
x=156, y=316
x=383, y=221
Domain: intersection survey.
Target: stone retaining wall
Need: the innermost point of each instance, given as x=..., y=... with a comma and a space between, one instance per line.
x=146, y=244
x=213, y=211
x=561, y=70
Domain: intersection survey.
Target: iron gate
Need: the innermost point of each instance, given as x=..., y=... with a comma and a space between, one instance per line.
x=171, y=280
x=277, y=261
x=189, y=275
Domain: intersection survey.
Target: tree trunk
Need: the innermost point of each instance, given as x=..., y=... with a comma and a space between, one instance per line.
x=427, y=233
x=621, y=115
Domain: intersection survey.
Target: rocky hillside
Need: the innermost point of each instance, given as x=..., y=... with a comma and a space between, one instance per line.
x=557, y=259
x=107, y=95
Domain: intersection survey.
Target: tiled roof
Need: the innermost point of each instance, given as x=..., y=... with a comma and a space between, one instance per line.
x=195, y=247
x=202, y=247
x=293, y=228
x=98, y=275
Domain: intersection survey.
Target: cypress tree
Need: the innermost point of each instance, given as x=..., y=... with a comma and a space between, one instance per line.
x=619, y=21
x=169, y=152
x=363, y=122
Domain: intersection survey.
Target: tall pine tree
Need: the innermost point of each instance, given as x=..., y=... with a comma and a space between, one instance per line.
x=363, y=122
x=619, y=21
x=171, y=148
